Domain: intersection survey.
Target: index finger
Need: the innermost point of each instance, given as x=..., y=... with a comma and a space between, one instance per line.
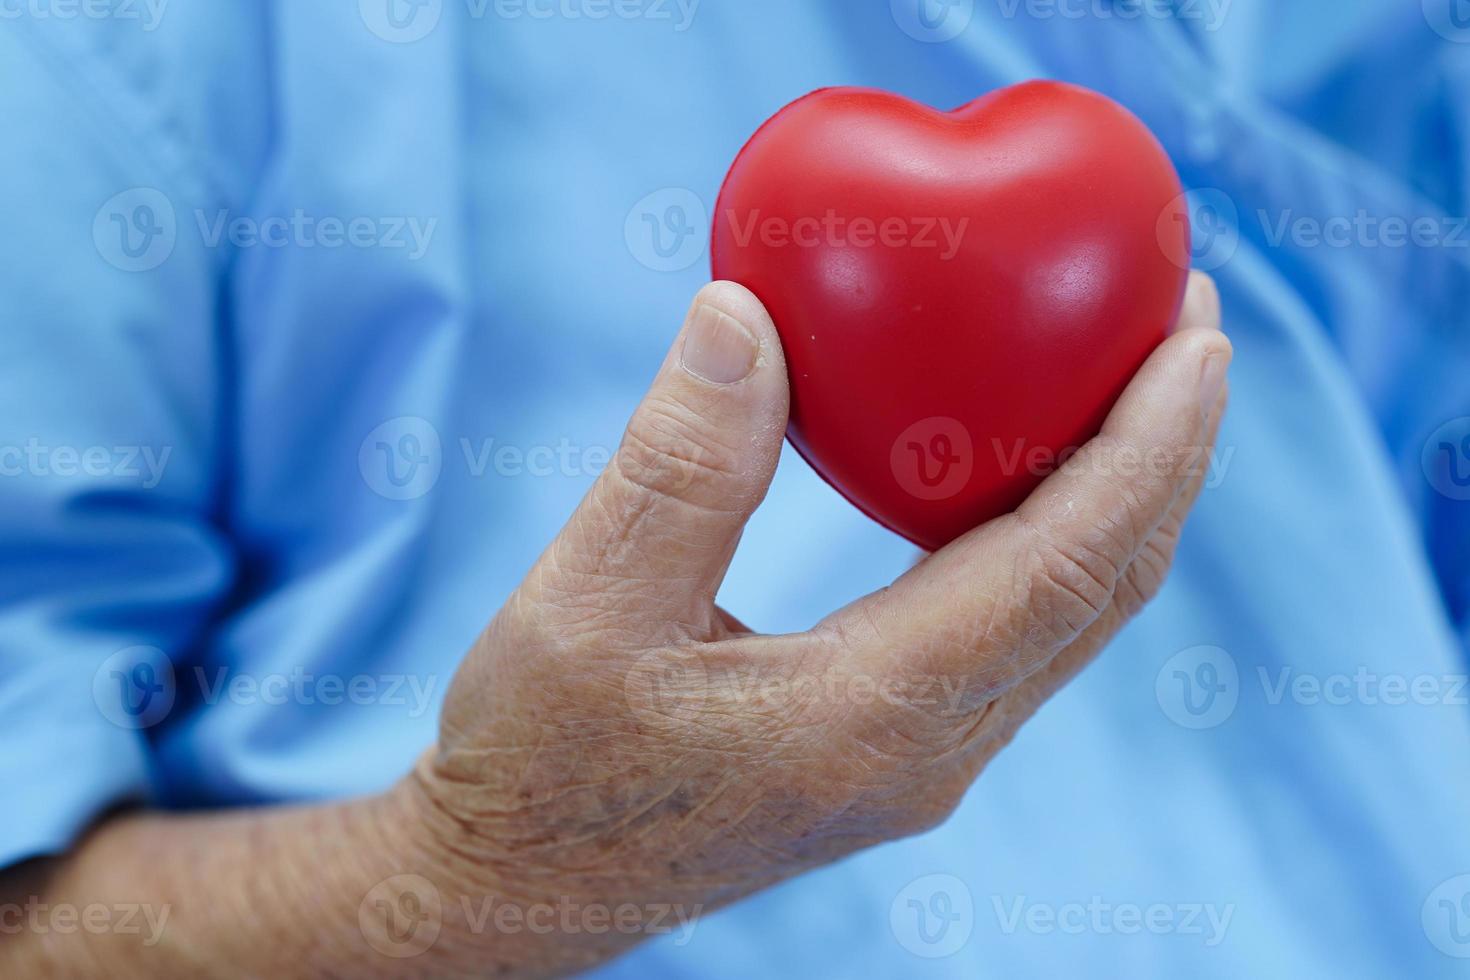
x=1000, y=602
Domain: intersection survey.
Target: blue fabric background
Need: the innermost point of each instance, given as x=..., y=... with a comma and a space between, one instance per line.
x=268, y=379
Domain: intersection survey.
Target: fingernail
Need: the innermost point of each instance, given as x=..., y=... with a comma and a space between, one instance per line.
x=1212, y=376
x=717, y=347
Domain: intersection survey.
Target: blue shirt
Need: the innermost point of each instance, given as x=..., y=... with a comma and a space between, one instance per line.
x=320, y=318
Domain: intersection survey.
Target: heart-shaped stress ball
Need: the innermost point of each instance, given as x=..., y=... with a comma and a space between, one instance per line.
x=961, y=295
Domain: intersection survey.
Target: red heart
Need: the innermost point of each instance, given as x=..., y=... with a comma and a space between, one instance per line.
x=961, y=296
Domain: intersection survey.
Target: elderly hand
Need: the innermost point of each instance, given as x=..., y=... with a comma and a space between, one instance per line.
x=614, y=737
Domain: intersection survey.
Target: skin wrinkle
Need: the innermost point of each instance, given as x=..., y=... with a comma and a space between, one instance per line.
x=878, y=757
x=731, y=458
x=992, y=716
x=573, y=590
x=1068, y=662
x=651, y=448
x=1044, y=545
x=525, y=772
x=597, y=621
x=621, y=530
x=1023, y=632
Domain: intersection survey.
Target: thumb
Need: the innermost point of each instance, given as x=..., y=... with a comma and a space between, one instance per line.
x=648, y=547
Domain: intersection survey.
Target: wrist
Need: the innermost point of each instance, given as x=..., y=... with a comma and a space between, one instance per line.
x=495, y=909
x=437, y=896
x=411, y=890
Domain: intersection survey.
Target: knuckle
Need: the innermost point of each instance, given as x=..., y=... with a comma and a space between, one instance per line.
x=1146, y=576
x=668, y=452
x=1136, y=479
x=1072, y=579
x=903, y=725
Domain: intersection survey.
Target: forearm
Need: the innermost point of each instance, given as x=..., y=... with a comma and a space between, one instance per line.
x=267, y=892
x=376, y=887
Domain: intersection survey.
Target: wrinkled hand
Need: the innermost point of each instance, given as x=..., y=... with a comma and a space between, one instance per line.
x=616, y=737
